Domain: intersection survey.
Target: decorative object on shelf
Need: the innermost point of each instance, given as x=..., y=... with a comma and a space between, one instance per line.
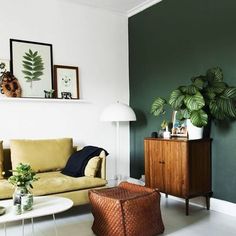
x=48, y=94
x=10, y=85
x=4, y=66
x=118, y=112
x=31, y=63
x=66, y=81
x=207, y=98
x=66, y=95
x=22, y=179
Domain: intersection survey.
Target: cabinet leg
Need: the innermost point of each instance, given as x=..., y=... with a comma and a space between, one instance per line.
x=208, y=202
x=186, y=207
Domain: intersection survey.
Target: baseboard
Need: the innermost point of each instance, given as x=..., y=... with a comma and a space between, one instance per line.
x=218, y=205
x=142, y=6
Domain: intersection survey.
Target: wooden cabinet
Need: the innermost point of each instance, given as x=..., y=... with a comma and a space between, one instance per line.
x=179, y=167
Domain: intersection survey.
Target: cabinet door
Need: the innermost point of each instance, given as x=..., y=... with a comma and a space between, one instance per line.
x=154, y=168
x=176, y=171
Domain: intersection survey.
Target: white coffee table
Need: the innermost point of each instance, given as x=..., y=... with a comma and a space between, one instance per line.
x=43, y=206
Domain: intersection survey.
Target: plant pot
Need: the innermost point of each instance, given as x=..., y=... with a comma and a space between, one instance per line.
x=194, y=132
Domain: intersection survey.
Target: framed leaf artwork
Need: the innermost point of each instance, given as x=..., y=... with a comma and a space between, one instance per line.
x=31, y=64
x=66, y=81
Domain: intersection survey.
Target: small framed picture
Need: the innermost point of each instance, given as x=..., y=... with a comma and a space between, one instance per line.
x=31, y=64
x=66, y=82
x=179, y=128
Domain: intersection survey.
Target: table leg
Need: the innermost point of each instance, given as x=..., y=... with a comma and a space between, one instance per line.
x=5, y=229
x=23, y=227
x=55, y=225
x=32, y=224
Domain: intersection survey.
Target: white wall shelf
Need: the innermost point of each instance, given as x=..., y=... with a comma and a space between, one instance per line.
x=57, y=100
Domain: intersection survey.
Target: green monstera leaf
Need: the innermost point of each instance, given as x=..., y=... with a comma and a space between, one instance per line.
x=33, y=66
x=158, y=106
x=199, y=118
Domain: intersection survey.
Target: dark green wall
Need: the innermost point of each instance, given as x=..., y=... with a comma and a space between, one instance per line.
x=169, y=43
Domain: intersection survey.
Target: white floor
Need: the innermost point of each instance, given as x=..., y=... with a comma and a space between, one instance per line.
x=78, y=221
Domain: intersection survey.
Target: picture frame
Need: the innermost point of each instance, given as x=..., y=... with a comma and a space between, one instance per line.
x=32, y=64
x=179, y=128
x=66, y=82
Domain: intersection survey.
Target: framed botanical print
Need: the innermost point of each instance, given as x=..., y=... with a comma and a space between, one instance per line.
x=66, y=81
x=31, y=64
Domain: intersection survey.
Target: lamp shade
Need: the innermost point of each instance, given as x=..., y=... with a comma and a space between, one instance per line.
x=118, y=112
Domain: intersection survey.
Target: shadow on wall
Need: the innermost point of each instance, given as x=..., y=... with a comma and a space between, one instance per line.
x=141, y=119
x=136, y=155
x=223, y=126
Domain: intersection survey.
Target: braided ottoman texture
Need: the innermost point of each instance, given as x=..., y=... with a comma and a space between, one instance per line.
x=126, y=210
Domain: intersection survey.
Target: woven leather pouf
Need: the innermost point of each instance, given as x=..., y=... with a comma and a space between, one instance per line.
x=126, y=210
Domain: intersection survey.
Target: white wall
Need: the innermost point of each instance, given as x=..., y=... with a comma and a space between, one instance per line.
x=95, y=40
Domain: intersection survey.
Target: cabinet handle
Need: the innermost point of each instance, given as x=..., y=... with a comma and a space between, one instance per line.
x=161, y=162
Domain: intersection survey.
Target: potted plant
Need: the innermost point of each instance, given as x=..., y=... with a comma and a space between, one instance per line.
x=207, y=98
x=22, y=179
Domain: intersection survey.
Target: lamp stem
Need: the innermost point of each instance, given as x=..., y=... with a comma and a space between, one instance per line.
x=117, y=148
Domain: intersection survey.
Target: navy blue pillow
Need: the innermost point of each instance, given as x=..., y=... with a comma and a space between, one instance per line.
x=77, y=162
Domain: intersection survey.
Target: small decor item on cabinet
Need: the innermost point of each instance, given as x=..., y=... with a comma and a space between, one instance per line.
x=22, y=178
x=66, y=81
x=179, y=126
x=10, y=85
x=154, y=135
x=166, y=133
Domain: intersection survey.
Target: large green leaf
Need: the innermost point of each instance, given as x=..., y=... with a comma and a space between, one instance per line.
x=199, y=81
x=176, y=99
x=192, y=89
x=218, y=87
x=216, y=111
x=194, y=102
x=226, y=106
x=185, y=113
x=157, y=107
x=199, y=118
x=229, y=93
x=215, y=74
x=33, y=66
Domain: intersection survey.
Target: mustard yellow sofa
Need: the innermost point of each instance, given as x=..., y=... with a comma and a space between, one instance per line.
x=48, y=157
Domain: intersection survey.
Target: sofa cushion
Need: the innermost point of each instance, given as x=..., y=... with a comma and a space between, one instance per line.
x=53, y=183
x=1, y=160
x=42, y=155
x=92, y=167
x=6, y=189
x=56, y=182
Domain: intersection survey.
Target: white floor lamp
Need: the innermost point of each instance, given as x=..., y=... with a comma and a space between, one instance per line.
x=118, y=112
